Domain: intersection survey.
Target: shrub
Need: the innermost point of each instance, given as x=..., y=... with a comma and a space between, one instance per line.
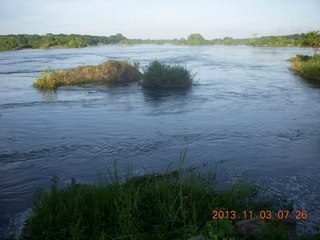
x=110, y=72
x=158, y=75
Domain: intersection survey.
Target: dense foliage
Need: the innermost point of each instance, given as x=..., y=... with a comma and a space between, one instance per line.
x=312, y=39
x=198, y=39
x=306, y=66
x=158, y=75
x=25, y=41
x=269, y=41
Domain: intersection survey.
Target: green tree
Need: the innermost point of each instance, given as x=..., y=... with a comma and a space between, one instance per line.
x=196, y=39
x=312, y=39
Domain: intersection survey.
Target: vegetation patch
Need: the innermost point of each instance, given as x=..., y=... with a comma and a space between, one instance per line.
x=111, y=72
x=27, y=41
x=306, y=66
x=175, y=205
x=158, y=75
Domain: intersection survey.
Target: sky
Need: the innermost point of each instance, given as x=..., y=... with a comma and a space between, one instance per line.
x=160, y=19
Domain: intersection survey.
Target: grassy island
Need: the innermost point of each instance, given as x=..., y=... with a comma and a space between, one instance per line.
x=158, y=75
x=178, y=204
x=306, y=66
x=111, y=72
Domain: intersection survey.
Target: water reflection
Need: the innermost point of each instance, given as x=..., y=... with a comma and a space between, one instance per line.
x=160, y=95
x=310, y=83
x=49, y=94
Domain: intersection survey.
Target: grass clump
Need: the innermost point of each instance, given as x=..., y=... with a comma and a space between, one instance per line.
x=111, y=72
x=174, y=205
x=306, y=66
x=158, y=75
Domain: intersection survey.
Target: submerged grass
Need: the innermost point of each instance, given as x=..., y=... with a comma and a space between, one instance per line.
x=306, y=66
x=158, y=75
x=174, y=205
x=110, y=72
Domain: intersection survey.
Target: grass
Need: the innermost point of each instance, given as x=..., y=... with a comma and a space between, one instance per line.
x=174, y=205
x=111, y=72
x=158, y=75
x=306, y=66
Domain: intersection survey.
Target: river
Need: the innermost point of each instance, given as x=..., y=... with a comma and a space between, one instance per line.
x=247, y=114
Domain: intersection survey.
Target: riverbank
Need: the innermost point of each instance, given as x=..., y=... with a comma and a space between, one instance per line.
x=28, y=41
x=180, y=204
x=306, y=66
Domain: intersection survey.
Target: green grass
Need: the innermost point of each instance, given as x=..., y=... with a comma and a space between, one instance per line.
x=111, y=72
x=174, y=205
x=306, y=66
x=158, y=75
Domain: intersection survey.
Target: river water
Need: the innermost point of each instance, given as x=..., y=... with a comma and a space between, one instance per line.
x=247, y=114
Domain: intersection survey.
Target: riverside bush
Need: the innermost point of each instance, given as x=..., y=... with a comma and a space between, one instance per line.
x=158, y=75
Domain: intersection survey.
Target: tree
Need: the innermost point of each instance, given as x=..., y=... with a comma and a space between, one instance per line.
x=312, y=39
x=196, y=39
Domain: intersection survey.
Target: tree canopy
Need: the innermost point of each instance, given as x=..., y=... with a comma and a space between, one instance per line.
x=312, y=39
x=25, y=41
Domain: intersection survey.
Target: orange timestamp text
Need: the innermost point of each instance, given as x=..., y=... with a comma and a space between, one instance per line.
x=263, y=214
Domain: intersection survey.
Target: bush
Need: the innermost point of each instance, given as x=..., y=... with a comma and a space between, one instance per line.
x=158, y=75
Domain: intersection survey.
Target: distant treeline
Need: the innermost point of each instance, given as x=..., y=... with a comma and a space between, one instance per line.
x=26, y=41
x=197, y=39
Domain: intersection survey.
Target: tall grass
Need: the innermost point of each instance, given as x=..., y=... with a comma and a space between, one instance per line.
x=158, y=75
x=174, y=205
x=306, y=66
x=111, y=72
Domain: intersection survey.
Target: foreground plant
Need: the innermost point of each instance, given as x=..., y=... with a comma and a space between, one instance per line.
x=111, y=72
x=173, y=205
x=158, y=75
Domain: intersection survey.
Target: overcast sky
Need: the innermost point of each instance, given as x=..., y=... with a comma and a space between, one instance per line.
x=160, y=19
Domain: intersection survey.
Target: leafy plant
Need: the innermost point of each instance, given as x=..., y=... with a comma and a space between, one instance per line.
x=219, y=229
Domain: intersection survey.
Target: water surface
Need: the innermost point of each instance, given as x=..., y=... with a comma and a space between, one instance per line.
x=248, y=113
